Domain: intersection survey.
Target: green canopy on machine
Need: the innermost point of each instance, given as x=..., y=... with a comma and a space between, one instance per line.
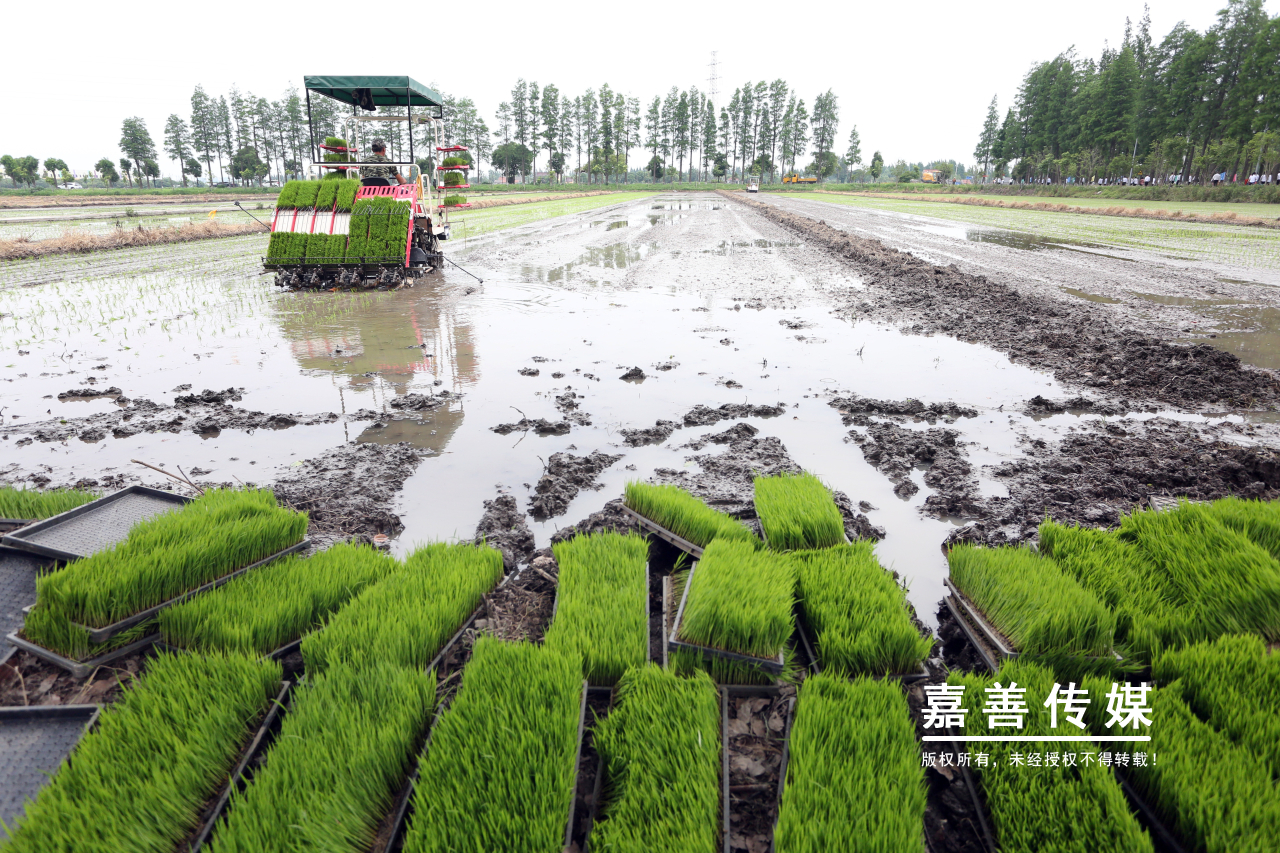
x=368, y=92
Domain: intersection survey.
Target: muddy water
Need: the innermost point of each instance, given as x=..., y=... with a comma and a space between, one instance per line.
x=740, y=307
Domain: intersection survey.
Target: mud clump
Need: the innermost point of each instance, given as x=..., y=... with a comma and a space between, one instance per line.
x=635, y=374
x=86, y=393
x=529, y=371
x=666, y=365
x=610, y=519
x=541, y=426
x=1079, y=344
x=895, y=450
x=855, y=410
x=1094, y=476
x=737, y=432
x=567, y=404
x=1038, y=406
x=422, y=402
x=348, y=491
x=505, y=528
x=856, y=525
x=707, y=416
x=655, y=434
x=208, y=397
x=566, y=475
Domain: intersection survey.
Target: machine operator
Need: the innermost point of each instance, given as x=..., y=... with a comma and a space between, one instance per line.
x=380, y=156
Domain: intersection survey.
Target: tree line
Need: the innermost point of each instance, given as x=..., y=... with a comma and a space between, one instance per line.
x=1193, y=105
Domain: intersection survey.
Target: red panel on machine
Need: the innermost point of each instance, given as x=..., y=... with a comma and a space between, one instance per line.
x=403, y=192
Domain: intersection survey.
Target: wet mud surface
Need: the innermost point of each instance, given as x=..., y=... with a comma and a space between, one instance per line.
x=1079, y=344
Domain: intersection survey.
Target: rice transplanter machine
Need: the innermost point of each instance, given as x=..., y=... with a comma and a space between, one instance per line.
x=350, y=261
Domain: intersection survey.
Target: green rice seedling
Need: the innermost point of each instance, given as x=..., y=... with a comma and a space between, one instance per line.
x=854, y=770
x=1030, y=600
x=858, y=612
x=1077, y=809
x=1230, y=584
x=162, y=557
x=722, y=671
x=454, y=200
x=1129, y=584
x=326, y=195
x=1219, y=796
x=454, y=161
x=397, y=234
x=408, y=617
x=31, y=503
x=797, y=512
x=683, y=514
x=602, y=605
x=343, y=752
x=287, y=200
x=306, y=196
x=740, y=600
x=1258, y=520
x=358, y=238
x=139, y=781
x=345, y=197
x=661, y=749
x=1233, y=684
x=263, y=610
x=500, y=769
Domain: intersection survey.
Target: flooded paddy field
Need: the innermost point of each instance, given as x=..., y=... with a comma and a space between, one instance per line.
x=685, y=338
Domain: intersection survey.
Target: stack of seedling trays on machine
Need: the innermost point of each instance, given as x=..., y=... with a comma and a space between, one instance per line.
x=131, y=555
x=379, y=232
x=453, y=176
x=311, y=224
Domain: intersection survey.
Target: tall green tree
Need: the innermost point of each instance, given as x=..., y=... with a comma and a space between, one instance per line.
x=551, y=121
x=987, y=140
x=826, y=118
x=136, y=142
x=56, y=166
x=21, y=170
x=876, y=167
x=106, y=172
x=177, y=142
x=853, y=154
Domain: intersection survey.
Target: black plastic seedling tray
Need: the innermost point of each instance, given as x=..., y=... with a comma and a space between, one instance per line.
x=773, y=666
x=664, y=534
x=262, y=739
x=1160, y=503
x=80, y=668
x=981, y=634
x=810, y=650
x=756, y=692
x=1166, y=841
x=94, y=526
x=101, y=635
x=782, y=770
x=34, y=741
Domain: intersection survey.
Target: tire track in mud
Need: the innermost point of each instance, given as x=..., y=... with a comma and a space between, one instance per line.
x=1077, y=344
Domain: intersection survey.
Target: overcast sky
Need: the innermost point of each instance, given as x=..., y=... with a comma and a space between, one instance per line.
x=915, y=77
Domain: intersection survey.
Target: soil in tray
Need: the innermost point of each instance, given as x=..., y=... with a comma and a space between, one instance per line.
x=957, y=651
x=950, y=818
x=585, y=811
x=521, y=610
x=756, y=727
x=28, y=680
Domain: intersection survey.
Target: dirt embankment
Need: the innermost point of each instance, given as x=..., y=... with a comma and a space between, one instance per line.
x=1080, y=345
x=36, y=202
x=73, y=242
x=482, y=203
x=1226, y=217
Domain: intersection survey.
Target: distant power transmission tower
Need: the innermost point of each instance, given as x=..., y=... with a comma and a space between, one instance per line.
x=714, y=77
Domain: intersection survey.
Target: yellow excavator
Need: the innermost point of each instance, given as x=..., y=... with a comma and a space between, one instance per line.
x=797, y=179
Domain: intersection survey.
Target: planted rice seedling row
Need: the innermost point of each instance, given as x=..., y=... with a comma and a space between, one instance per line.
x=344, y=749
x=797, y=512
x=162, y=558
x=854, y=770
x=501, y=769
x=1074, y=810
x=408, y=617
x=661, y=747
x=602, y=604
x=684, y=515
x=271, y=607
x=32, y=504
x=139, y=780
x=858, y=612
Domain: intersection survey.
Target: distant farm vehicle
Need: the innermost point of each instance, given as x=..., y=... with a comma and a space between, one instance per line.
x=933, y=176
x=796, y=179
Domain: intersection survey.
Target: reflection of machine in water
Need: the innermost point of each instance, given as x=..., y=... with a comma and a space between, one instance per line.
x=387, y=344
